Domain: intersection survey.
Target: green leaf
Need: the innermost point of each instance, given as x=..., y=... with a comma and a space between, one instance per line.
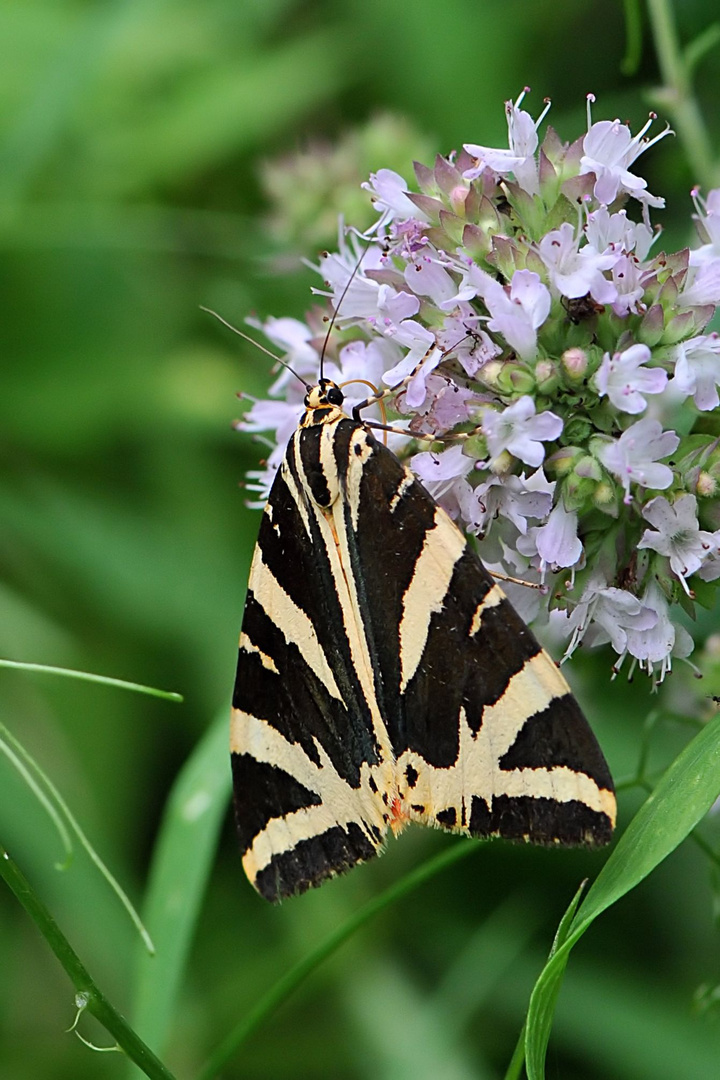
x=182, y=861
x=681, y=799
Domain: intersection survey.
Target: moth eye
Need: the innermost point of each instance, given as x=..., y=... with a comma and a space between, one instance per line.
x=335, y=396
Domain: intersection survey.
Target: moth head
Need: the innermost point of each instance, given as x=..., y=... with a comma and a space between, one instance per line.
x=325, y=393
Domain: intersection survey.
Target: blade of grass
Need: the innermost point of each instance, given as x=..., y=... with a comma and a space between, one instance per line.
x=292, y=979
x=182, y=860
x=25, y=766
x=681, y=799
x=87, y=676
x=88, y=995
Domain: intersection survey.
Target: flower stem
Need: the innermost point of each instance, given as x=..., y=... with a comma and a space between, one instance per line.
x=677, y=94
x=87, y=992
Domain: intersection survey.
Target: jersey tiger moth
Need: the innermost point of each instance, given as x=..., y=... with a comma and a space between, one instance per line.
x=384, y=678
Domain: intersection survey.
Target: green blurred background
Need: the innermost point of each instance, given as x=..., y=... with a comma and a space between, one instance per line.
x=156, y=156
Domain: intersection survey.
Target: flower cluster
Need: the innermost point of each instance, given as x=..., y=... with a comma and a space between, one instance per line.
x=515, y=300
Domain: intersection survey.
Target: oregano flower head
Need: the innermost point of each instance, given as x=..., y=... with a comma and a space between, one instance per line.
x=517, y=292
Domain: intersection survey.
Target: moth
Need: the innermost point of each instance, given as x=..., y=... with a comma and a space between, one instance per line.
x=384, y=678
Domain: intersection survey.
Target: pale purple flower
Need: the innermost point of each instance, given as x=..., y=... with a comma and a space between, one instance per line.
x=605, y=230
x=389, y=195
x=365, y=360
x=293, y=337
x=500, y=556
x=416, y=391
x=260, y=481
x=608, y=613
x=426, y=277
x=609, y=151
x=708, y=214
x=697, y=370
x=345, y=273
x=710, y=569
x=574, y=271
x=627, y=278
x=422, y=358
x=271, y=415
x=516, y=498
x=557, y=541
x=519, y=159
x=446, y=404
x=660, y=642
x=472, y=281
x=443, y=474
x=624, y=379
x=516, y=315
x=677, y=535
x=702, y=287
x=520, y=431
x=634, y=457
x=460, y=337
x=392, y=308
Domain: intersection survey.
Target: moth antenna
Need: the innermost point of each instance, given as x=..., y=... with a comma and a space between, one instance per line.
x=516, y=580
x=257, y=345
x=336, y=312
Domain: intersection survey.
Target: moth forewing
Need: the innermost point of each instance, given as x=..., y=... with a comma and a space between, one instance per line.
x=383, y=677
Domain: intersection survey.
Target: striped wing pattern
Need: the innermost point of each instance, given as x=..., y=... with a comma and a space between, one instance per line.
x=383, y=678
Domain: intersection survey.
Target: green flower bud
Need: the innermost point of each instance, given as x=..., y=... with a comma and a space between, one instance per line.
x=515, y=380
x=490, y=374
x=578, y=491
x=589, y=468
x=502, y=464
x=563, y=461
x=577, y=430
x=605, y=498
x=546, y=377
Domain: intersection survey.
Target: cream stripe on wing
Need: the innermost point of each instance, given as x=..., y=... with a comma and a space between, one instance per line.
x=405, y=484
x=559, y=783
x=335, y=536
x=444, y=545
x=529, y=691
x=477, y=773
x=339, y=802
x=360, y=450
x=292, y=622
x=491, y=599
x=299, y=500
x=247, y=646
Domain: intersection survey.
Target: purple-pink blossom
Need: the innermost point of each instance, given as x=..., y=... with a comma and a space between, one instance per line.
x=520, y=431
x=609, y=151
x=625, y=380
x=634, y=457
x=697, y=370
x=677, y=534
x=518, y=313
x=576, y=271
x=519, y=159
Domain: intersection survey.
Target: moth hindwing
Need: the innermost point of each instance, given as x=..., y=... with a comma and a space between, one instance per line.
x=383, y=677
